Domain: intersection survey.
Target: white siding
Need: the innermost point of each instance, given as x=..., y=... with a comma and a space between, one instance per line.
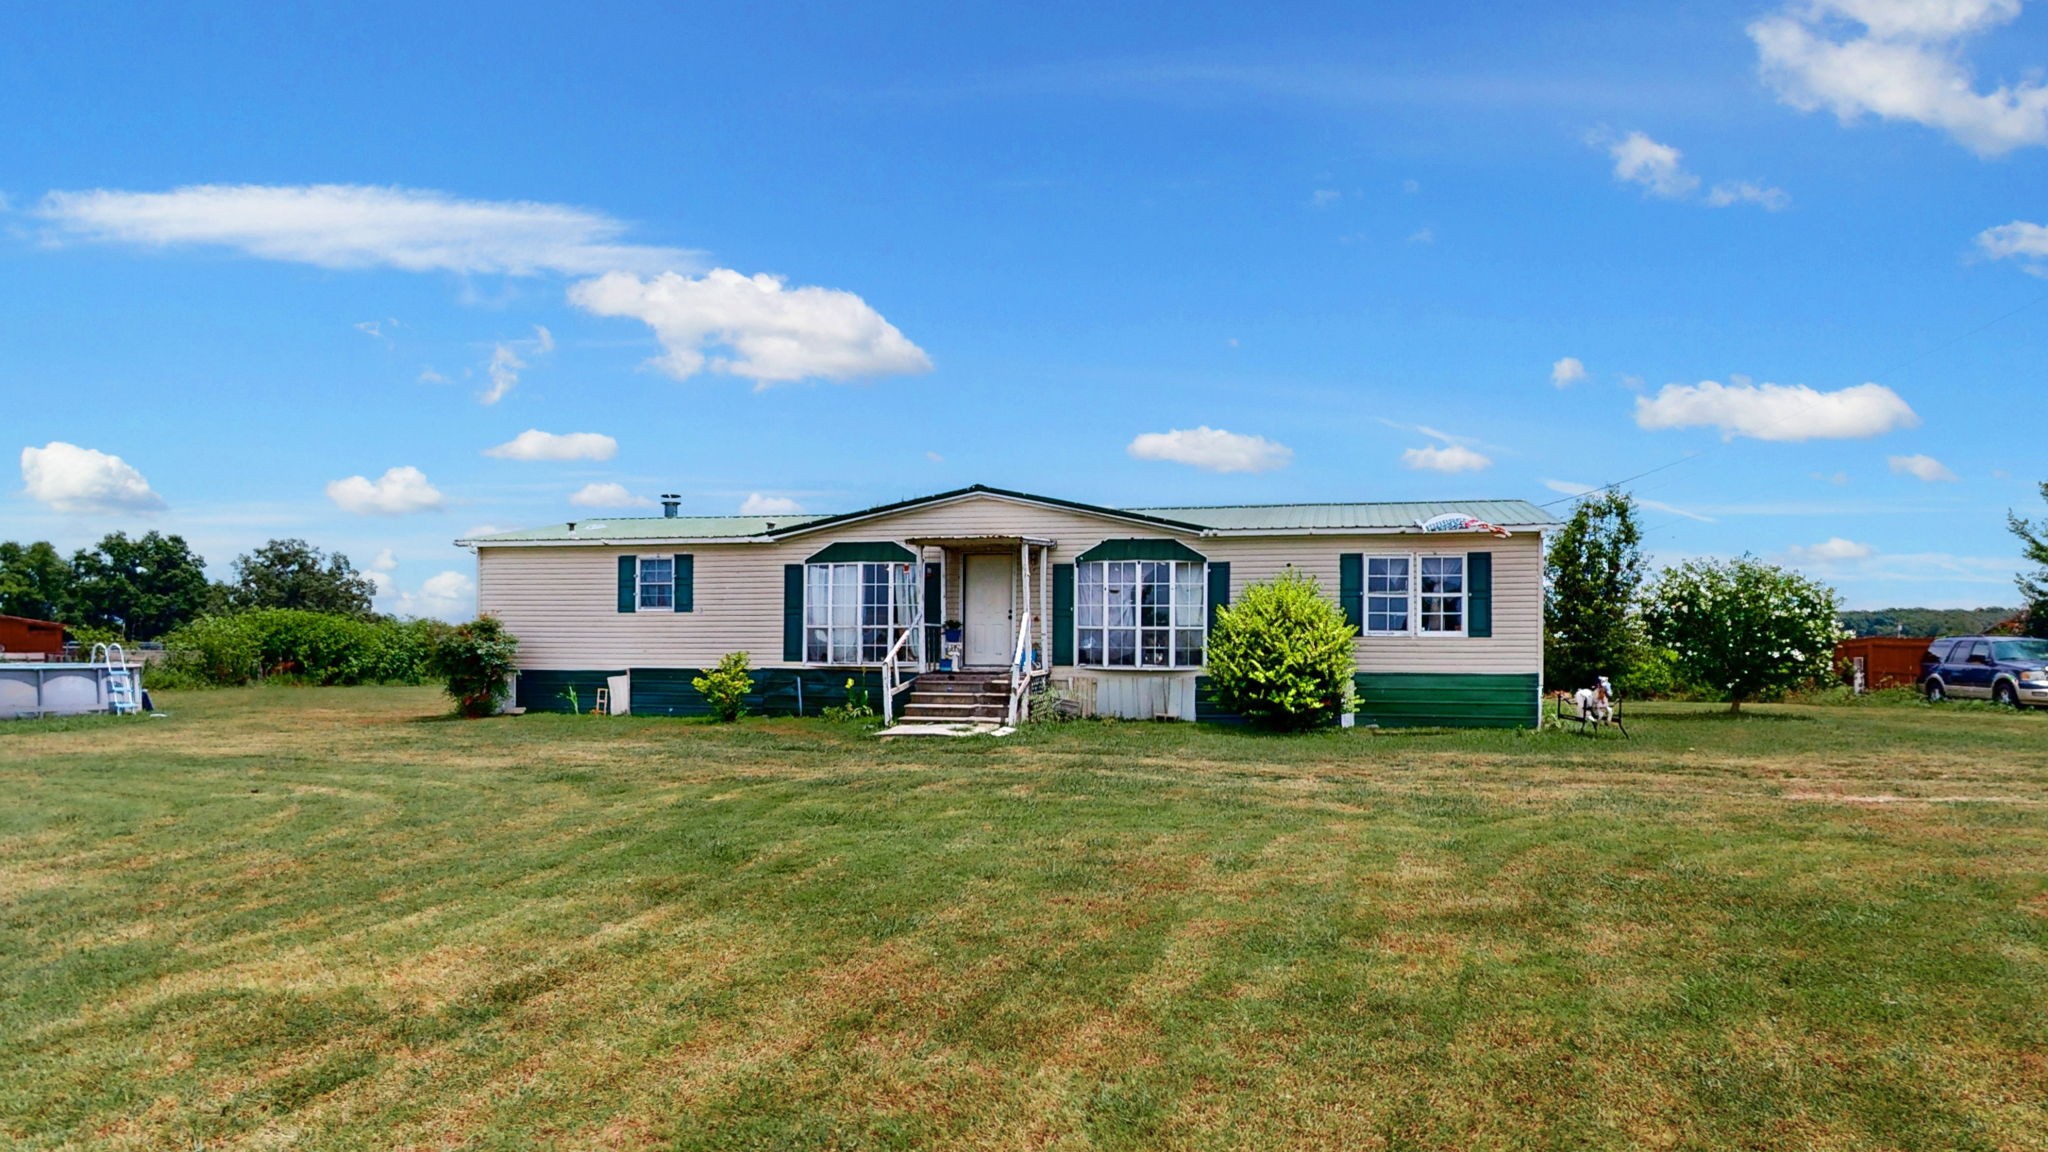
x=562, y=601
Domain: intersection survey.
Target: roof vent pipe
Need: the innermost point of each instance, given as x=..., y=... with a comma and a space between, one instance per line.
x=670, y=502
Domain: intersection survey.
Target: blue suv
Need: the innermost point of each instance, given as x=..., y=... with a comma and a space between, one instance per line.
x=2011, y=670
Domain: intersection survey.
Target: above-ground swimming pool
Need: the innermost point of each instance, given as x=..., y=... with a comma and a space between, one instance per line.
x=28, y=689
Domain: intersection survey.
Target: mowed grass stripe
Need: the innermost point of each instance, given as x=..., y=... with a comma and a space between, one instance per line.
x=329, y=919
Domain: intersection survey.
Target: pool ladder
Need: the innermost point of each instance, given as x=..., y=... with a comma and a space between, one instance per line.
x=120, y=681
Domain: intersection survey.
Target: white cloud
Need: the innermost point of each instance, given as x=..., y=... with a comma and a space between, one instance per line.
x=1899, y=60
x=1658, y=168
x=1446, y=458
x=1212, y=449
x=375, y=330
x=2018, y=240
x=935, y=458
x=1567, y=372
x=758, y=505
x=534, y=444
x=1573, y=488
x=1422, y=236
x=1411, y=187
x=1734, y=192
x=1776, y=411
x=446, y=596
x=429, y=376
x=400, y=490
x=78, y=480
x=1921, y=467
x=1832, y=550
x=505, y=365
x=775, y=333
x=361, y=226
x=608, y=495
x=1324, y=197
x=384, y=562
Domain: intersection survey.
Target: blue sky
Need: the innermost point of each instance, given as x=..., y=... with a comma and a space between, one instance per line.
x=270, y=272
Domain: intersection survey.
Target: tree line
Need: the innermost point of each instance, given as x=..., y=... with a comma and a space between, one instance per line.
x=1733, y=630
x=143, y=587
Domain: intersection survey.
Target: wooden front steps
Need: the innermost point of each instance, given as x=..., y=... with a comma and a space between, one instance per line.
x=954, y=704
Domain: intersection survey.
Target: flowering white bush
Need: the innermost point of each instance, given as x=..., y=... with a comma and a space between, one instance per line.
x=1744, y=627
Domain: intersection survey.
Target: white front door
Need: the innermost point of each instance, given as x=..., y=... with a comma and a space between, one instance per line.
x=991, y=633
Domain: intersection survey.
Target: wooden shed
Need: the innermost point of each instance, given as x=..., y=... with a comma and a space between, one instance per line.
x=1886, y=661
x=22, y=636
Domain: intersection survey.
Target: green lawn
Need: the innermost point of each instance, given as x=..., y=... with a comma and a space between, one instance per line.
x=333, y=919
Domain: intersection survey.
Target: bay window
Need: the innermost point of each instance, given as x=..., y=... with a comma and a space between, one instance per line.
x=1139, y=613
x=854, y=612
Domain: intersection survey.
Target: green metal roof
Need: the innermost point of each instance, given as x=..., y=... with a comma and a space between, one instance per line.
x=1339, y=517
x=1197, y=518
x=598, y=528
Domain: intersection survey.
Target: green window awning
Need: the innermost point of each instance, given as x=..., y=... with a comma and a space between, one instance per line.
x=1141, y=548
x=864, y=552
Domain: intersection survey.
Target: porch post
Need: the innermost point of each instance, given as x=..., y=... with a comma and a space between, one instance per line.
x=1045, y=606
x=1024, y=591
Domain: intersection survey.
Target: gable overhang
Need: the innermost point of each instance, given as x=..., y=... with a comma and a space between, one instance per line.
x=983, y=492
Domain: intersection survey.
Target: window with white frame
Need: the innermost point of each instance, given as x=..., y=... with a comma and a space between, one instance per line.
x=1442, y=601
x=853, y=613
x=1140, y=613
x=1387, y=591
x=657, y=582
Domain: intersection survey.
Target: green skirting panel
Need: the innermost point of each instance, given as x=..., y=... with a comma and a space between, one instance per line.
x=1448, y=700
x=777, y=691
x=1422, y=700
x=1206, y=710
x=547, y=689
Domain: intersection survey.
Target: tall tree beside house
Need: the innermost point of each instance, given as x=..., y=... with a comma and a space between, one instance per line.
x=1743, y=627
x=294, y=574
x=142, y=587
x=2033, y=585
x=1595, y=570
x=35, y=581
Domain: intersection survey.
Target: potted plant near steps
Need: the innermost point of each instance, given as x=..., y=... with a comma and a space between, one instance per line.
x=949, y=655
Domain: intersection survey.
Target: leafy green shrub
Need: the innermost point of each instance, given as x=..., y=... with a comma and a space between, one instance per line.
x=1281, y=656
x=725, y=687
x=309, y=647
x=476, y=659
x=86, y=635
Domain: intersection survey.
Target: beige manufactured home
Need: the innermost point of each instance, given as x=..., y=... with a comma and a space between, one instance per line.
x=1110, y=605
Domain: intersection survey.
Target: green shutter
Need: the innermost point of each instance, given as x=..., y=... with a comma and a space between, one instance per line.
x=793, y=613
x=629, y=583
x=1219, y=591
x=1063, y=614
x=686, y=582
x=1351, y=588
x=1479, y=594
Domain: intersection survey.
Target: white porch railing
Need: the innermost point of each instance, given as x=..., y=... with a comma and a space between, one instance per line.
x=1023, y=666
x=892, y=671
